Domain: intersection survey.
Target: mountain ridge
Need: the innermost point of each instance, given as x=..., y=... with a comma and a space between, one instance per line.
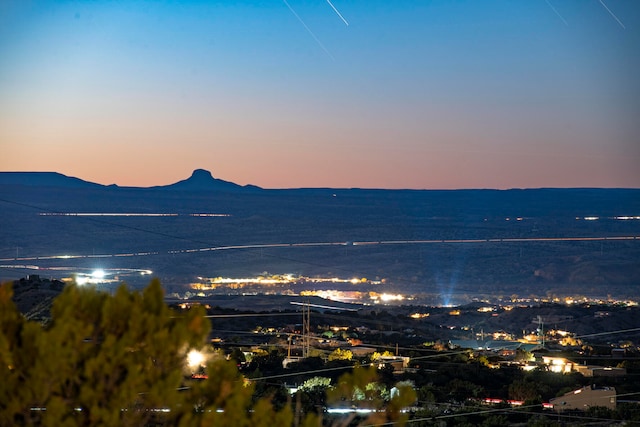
x=45, y=179
x=202, y=180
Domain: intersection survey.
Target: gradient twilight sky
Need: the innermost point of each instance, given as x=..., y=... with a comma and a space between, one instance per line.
x=410, y=94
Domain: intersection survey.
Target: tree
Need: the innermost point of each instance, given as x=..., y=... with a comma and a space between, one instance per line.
x=115, y=360
x=375, y=355
x=340, y=354
x=361, y=388
x=238, y=356
x=311, y=396
x=316, y=382
x=525, y=390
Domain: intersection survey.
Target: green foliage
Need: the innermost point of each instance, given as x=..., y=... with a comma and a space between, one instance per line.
x=542, y=421
x=237, y=355
x=460, y=390
x=316, y=382
x=628, y=411
x=268, y=363
x=340, y=354
x=226, y=399
x=311, y=396
x=361, y=387
x=482, y=360
x=526, y=390
x=117, y=360
x=495, y=421
x=376, y=355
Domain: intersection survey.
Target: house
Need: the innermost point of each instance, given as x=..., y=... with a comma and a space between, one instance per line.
x=564, y=366
x=584, y=398
x=398, y=363
x=360, y=351
x=600, y=371
x=559, y=365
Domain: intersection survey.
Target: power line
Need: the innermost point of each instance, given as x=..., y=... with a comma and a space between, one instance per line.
x=619, y=331
x=268, y=377
x=252, y=315
x=505, y=410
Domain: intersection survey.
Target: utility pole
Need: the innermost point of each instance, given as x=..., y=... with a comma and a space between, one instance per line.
x=306, y=329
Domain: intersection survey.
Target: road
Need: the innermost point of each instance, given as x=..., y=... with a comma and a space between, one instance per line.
x=328, y=244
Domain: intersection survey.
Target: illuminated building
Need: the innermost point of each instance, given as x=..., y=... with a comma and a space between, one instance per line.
x=585, y=398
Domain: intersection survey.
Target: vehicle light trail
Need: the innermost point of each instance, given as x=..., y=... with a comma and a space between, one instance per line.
x=130, y=214
x=328, y=244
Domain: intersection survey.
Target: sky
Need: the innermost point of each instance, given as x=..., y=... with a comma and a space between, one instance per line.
x=316, y=93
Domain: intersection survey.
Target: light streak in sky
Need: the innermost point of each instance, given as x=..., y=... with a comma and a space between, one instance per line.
x=338, y=13
x=557, y=13
x=612, y=14
x=308, y=30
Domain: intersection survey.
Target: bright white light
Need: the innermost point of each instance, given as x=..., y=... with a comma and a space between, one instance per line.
x=98, y=274
x=81, y=280
x=391, y=297
x=195, y=359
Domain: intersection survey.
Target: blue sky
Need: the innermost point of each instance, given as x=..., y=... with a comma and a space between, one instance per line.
x=410, y=94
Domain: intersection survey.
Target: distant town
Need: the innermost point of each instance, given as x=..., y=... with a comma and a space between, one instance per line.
x=562, y=354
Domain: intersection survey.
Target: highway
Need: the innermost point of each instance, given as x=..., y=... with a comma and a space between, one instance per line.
x=323, y=244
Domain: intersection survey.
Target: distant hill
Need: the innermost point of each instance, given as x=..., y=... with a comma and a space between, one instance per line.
x=44, y=179
x=200, y=180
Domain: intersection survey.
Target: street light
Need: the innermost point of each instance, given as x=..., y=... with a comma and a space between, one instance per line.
x=195, y=359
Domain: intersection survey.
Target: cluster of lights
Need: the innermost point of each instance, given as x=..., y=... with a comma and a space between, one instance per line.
x=101, y=276
x=335, y=295
x=617, y=218
x=386, y=297
x=419, y=315
x=526, y=302
x=97, y=276
x=210, y=283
